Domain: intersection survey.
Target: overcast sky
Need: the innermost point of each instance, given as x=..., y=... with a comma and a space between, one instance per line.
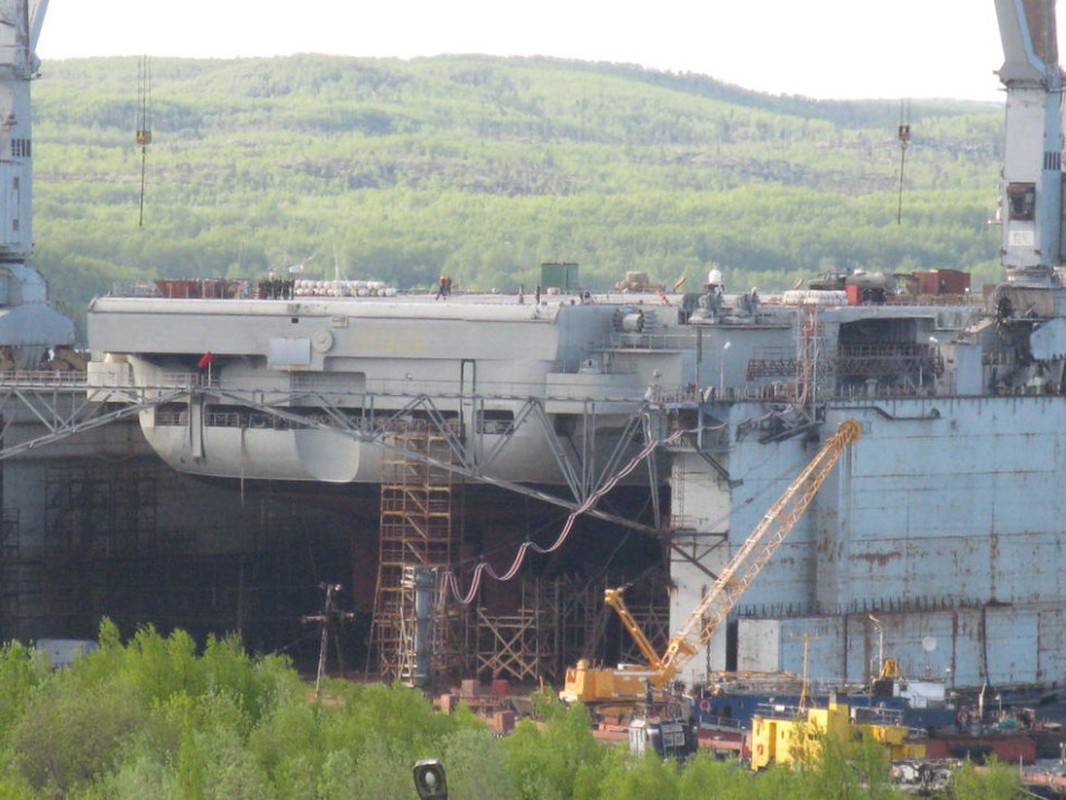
x=841, y=49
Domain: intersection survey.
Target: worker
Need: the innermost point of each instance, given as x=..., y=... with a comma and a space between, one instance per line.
x=442, y=287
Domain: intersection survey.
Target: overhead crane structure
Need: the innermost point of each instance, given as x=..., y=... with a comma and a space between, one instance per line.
x=66, y=403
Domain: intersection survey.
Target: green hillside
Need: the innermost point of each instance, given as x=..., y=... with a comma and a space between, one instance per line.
x=485, y=167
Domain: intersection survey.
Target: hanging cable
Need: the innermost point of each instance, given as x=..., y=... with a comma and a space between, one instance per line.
x=451, y=583
x=144, y=123
x=904, y=140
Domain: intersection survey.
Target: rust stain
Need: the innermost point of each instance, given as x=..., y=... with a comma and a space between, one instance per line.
x=881, y=559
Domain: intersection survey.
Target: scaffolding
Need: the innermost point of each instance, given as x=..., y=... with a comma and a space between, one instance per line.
x=12, y=584
x=416, y=530
x=815, y=375
x=886, y=363
x=577, y=606
x=558, y=621
x=510, y=644
x=517, y=644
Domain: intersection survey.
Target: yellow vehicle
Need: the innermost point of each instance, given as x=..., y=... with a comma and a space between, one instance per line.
x=795, y=735
x=599, y=685
x=625, y=684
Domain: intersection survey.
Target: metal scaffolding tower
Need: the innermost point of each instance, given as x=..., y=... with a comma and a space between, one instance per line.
x=13, y=588
x=416, y=530
x=814, y=378
x=517, y=643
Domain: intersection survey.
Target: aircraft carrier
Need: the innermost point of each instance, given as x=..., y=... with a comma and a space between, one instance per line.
x=518, y=443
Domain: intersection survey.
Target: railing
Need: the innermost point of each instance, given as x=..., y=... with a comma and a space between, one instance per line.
x=164, y=417
x=42, y=377
x=876, y=715
x=401, y=391
x=651, y=341
x=706, y=720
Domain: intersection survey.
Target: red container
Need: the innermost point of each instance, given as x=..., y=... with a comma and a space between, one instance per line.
x=1009, y=749
x=943, y=281
x=501, y=687
x=953, y=281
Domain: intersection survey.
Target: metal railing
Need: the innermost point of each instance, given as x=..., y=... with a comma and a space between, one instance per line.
x=22, y=377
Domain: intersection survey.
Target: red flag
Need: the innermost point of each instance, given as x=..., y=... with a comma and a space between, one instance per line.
x=205, y=359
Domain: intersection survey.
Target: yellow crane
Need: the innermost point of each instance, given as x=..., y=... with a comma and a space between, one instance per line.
x=586, y=684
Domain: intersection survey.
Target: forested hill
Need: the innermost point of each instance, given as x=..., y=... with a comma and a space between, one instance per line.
x=485, y=167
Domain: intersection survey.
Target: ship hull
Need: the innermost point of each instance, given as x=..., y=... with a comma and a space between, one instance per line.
x=938, y=539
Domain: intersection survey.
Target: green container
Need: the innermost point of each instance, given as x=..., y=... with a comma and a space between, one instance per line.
x=561, y=275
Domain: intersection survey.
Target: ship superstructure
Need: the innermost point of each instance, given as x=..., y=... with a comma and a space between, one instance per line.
x=939, y=537
x=500, y=371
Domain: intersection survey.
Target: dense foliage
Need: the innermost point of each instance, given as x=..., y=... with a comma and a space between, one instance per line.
x=156, y=718
x=486, y=167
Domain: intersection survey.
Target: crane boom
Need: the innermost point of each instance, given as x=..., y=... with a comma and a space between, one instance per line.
x=613, y=598
x=589, y=685
x=774, y=527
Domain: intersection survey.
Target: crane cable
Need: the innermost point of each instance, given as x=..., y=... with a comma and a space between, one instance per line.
x=144, y=123
x=904, y=140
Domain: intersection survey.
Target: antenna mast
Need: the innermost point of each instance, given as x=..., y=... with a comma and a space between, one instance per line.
x=144, y=122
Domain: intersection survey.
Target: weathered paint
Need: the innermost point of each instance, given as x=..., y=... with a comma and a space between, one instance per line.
x=948, y=529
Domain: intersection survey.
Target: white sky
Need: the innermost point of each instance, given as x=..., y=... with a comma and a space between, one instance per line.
x=841, y=49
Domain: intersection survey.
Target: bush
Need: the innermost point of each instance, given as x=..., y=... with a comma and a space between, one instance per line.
x=66, y=737
x=706, y=777
x=994, y=781
x=629, y=778
x=155, y=719
x=476, y=767
x=546, y=762
x=21, y=669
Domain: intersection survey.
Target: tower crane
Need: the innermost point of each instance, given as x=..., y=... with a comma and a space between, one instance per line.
x=629, y=684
